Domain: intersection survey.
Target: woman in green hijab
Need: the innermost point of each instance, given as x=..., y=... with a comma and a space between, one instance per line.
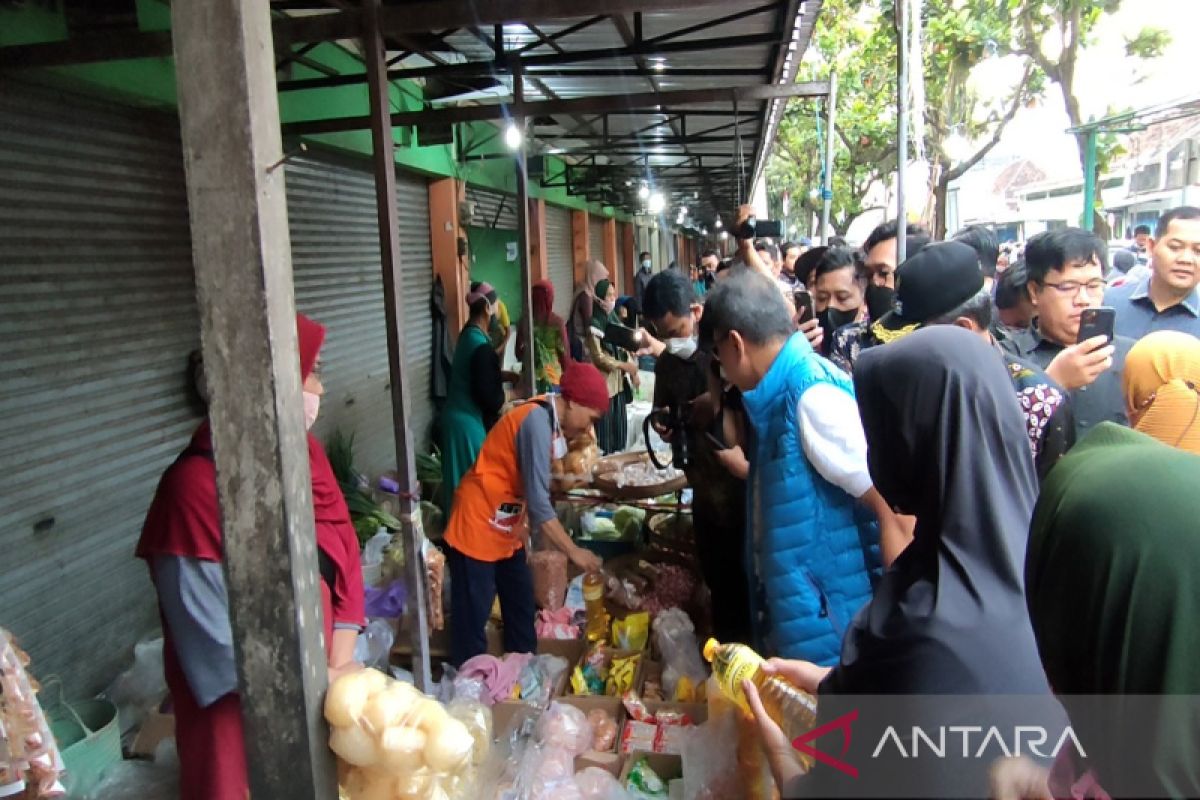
x=476, y=394
x=617, y=366
x=1113, y=586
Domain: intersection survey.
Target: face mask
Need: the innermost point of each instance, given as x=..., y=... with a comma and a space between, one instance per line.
x=312, y=405
x=607, y=305
x=682, y=348
x=880, y=300
x=646, y=264
x=559, y=447
x=831, y=319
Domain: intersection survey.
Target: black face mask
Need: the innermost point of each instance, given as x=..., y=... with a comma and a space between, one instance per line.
x=880, y=300
x=831, y=319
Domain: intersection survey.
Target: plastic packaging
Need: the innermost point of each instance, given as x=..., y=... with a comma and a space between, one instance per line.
x=141, y=779
x=435, y=568
x=683, y=671
x=28, y=753
x=549, y=570
x=385, y=601
x=644, y=783
x=478, y=719
x=372, y=551
x=632, y=632
x=712, y=772
x=604, y=730
x=566, y=727
x=374, y=645
x=547, y=773
x=793, y=709
x=388, y=734
x=599, y=784
x=139, y=689
x=597, y=616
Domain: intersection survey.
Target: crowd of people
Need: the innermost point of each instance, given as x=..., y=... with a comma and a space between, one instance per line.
x=909, y=478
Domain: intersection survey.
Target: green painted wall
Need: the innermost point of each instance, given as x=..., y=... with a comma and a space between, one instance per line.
x=150, y=83
x=489, y=262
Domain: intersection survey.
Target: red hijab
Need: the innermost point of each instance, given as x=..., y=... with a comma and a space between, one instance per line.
x=184, y=518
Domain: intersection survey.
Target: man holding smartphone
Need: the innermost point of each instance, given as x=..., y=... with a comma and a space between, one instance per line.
x=1065, y=270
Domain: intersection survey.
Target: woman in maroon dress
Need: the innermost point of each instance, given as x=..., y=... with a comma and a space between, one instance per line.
x=181, y=543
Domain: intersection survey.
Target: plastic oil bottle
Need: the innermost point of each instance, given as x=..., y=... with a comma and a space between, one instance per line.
x=793, y=709
x=593, y=599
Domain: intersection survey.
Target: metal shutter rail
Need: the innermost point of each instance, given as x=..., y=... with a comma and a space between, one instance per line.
x=596, y=242
x=97, y=316
x=493, y=209
x=560, y=259
x=336, y=265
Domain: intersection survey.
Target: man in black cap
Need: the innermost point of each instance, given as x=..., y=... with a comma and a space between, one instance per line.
x=944, y=285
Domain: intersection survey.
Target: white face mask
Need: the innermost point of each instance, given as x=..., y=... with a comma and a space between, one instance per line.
x=312, y=405
x=682, y=348
x=646, y=264
x=559, y=448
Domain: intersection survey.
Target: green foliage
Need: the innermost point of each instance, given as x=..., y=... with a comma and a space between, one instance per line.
x=1148, y=43
x=366, y=515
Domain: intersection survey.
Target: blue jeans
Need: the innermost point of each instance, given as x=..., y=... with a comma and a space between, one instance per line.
x=473, y=586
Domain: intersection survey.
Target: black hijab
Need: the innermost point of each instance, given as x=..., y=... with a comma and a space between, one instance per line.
x=949, y=616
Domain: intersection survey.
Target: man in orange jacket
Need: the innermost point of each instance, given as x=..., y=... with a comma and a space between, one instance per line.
x=509, y=486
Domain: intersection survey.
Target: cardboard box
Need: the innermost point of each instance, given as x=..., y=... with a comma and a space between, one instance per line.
x=666, y=766
x=698, y=712
x=155, y=728
x=609, y=762
x=510, y=716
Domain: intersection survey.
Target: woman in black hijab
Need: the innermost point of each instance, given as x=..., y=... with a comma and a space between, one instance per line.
x=948, y=617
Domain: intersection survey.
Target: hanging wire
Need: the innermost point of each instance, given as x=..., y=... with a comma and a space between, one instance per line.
x=739, y=153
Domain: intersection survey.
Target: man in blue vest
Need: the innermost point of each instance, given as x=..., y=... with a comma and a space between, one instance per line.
x=815, y=516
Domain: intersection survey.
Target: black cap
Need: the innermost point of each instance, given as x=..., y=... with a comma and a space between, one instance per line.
x=934, y=282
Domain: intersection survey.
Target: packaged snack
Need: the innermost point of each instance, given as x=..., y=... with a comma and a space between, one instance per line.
x=621, y=674
x=549, y=570
x=638, y=736
x=632, y=632
x=644, y=784
x=604, y=730
x=565, y=727
x=635, y=707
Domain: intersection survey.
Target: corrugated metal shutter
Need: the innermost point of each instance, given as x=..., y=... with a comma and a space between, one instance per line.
x=560, y=257
x=493, y=209
x=596, y=241
x=97, y=316
x=335, y=259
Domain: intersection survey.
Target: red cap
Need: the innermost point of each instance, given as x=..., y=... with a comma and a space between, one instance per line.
x=583, y=384
x=310, y=336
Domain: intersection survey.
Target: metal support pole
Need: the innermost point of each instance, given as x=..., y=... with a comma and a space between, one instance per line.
x=383, y=155
x=1089, y=180
x=827, y=188
x=901, y=127
x=525, y=263
x=229, y=120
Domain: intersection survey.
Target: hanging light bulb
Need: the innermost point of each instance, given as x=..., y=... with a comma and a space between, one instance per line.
x=718, y=224
x=643, y=192
x=724, y=235
x=513, y=137
x=657, y=203
x=683, y=211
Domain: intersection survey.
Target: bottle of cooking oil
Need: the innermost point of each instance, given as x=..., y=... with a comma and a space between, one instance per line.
x=793, y=709
x=593, y=599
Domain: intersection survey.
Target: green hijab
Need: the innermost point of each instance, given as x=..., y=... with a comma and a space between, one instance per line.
x=1113, y=586
x=601, y=316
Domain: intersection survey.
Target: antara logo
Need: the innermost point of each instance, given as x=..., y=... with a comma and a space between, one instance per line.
x=991, y=743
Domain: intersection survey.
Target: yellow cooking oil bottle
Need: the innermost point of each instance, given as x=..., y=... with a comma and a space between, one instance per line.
x=793, y=709
x=593, y=599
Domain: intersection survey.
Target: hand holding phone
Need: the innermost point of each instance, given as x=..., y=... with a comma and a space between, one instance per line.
x=803, y=301
x=1098, y=321
x=717, y=443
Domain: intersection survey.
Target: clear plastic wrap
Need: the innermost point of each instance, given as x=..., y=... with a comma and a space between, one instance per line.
x=604, y=730
x=712, y=772
x=675, y=637
x=549, y=572
x=547, y=773
x=566, y=727
x=374, y=645
x=394, y=740
x=435, y=568
x=141, y=779
x=138, y=690
x=599, y=784
x=28, y=753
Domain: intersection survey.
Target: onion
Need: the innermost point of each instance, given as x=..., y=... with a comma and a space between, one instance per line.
x=402, y=749
x=354, y=745
x=449, y=746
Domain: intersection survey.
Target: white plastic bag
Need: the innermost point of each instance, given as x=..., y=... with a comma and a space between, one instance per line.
x=138, y=690
x=374, y=645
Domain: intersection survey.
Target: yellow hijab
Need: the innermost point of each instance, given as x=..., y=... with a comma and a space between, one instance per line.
x=1162, y=388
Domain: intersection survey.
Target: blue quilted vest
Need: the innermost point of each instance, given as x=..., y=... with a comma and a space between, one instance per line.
x=815, y=549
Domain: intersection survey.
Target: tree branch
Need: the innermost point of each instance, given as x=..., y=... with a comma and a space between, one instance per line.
x=1018, y=96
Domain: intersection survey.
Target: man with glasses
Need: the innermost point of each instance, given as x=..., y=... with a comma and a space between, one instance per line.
x=1065, y=270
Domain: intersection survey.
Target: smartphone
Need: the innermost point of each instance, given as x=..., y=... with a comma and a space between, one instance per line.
x=804, y=305
x=1096, y=322
x=717, y=443
x=754, y=228
x=624, y=337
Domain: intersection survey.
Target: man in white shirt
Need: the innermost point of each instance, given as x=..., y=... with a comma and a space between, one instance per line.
x=818, y=522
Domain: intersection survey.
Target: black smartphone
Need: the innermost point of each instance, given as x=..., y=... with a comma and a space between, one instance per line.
x=717, y=443
x=804, y=305
x=754, y=228
x=1096, y=321
x=624, y=337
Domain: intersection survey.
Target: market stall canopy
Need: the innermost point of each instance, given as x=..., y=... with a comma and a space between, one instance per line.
x=680, y=96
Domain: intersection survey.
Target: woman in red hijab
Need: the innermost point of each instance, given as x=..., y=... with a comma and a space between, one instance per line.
x=551, y=351
x=181, y=543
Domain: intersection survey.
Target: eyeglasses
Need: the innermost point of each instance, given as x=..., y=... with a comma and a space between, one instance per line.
x=1072, y=288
